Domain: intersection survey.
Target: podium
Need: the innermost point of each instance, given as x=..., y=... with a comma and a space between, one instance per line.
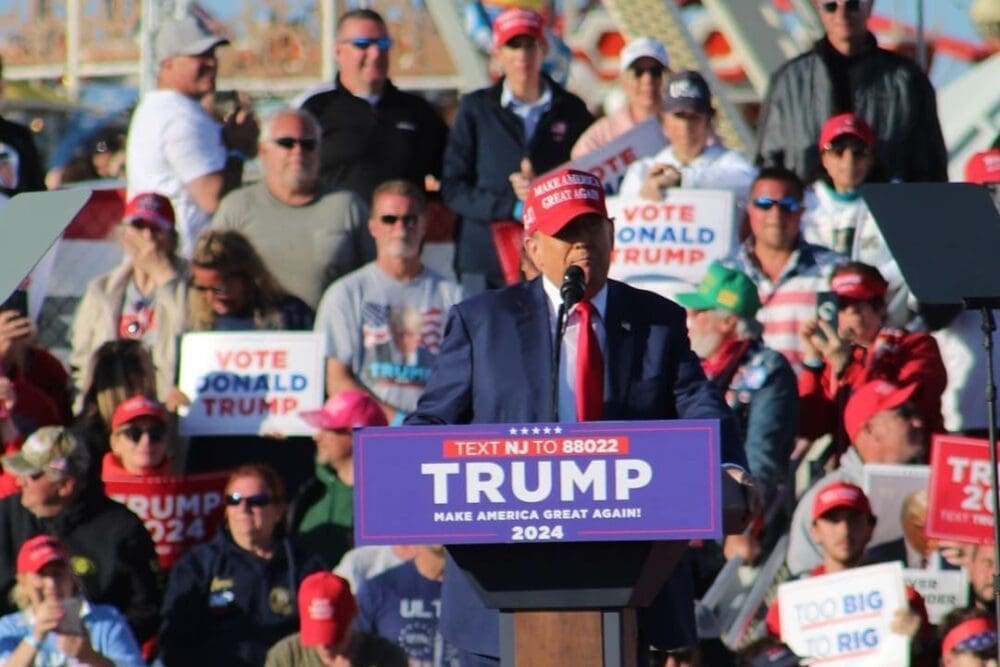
x=567, y=530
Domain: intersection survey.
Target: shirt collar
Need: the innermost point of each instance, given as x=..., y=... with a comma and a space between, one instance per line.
x=508, y=99
x=600, y=300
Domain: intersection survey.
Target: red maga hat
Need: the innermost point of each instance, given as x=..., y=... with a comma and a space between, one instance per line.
x=554, y=200
x=38, y=552
x=840, y=494
x=135, y=407
x=871, y=399
x=515, y=22
x=983, y=167
x=350, y=408
x=851, y=284
x=150, y=207
x=846, y=124
x=326, y=609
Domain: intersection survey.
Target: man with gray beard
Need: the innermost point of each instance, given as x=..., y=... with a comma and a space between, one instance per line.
x=758, y=382
x=306, y=237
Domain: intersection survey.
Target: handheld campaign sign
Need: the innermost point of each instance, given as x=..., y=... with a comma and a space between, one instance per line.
x=178, y=511
x=960, y=505
x=250, y=382
x=610, y=162
x=842, y=619
x=493, y=483
x=675, y=238
x=942, y=590
x=887, y=486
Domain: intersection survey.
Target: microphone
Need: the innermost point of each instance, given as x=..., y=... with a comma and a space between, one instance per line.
x=572, y=286
x=571, y=291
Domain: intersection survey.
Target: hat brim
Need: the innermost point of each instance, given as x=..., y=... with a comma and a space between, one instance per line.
x=695, y=301
x=318, y=633
x=17, y=465
x=198, y=47
x=320, y=419
x=673, y=106
x=162, y=223
x=849, y=133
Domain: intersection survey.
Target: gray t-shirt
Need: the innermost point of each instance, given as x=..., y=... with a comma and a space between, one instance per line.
x=305, y=247
x=388, y=332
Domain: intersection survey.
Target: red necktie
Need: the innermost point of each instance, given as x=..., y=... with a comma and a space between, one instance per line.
x=589, y=368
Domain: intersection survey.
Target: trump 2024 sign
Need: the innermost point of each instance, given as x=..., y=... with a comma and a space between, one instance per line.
x=493, y=483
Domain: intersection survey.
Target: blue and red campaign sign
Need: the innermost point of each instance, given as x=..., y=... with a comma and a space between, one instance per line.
x=493, y=483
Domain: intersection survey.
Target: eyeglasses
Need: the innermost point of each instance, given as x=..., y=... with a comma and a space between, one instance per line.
x=288, y=143
x=849, y=6
x=655, y=71
x=214, y=290
x=363, y=43
x=409, y=220
x=256, y=500
x=134, y=432
x=838, y=148
x=786, y=204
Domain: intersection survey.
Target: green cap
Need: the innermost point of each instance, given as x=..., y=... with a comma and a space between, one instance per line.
x=723, y=288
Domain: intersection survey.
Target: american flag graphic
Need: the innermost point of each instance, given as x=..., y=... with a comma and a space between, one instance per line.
x=430, y=334
x=376, y=331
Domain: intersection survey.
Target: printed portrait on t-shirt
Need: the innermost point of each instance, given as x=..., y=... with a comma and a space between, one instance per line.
x=401, y=343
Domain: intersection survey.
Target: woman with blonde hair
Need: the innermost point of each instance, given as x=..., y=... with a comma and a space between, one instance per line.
x=56, y=625
x=232, y=289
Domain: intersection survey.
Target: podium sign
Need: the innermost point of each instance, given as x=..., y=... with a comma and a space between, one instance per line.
x=521, y=483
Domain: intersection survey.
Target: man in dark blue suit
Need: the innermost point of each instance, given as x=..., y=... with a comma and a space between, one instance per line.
x=495, y=366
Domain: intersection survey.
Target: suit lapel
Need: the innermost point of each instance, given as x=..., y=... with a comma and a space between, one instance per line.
x=618, y=351
x=535, y=334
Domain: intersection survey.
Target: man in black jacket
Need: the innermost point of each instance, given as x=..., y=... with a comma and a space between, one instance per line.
x=112, y=554
x=372, y=131
x=503, y=137
x=846, y=72
x=19, y=156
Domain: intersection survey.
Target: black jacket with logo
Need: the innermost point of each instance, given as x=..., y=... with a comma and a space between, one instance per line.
x=400, y=136
x=226, y=606
x=112, y=554
x=485, y=146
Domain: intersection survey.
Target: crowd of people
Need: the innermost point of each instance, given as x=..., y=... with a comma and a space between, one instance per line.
x=806, y=337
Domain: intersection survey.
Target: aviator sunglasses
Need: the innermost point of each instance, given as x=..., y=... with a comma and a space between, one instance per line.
x=255, y=500
x=786, y=204
x=409, y=220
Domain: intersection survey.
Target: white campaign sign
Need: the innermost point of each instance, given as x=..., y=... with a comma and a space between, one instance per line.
x=887, y=486
x=676, y=238
x=610, y=162
x=250, y=383
x=943, y=590
x=843, y=619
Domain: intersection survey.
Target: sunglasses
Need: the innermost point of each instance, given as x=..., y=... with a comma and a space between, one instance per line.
x=786, y=204
x=215, y=290
x=363, y=43
x=288, y=143
x=144, y=225
x=134, y=432
x=839, y=148
x=849, y=6
x=409, y=220
x=256, y=500
x=655, y=71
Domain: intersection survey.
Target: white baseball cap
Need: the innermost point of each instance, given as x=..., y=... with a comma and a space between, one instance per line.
x=643, y=47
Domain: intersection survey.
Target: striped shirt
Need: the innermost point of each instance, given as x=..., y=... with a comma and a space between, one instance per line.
x=791, y=299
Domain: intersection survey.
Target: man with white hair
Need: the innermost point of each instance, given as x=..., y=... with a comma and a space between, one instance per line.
x=174, y=146
x=644, y=63
x=307, y=237
x=758, y=382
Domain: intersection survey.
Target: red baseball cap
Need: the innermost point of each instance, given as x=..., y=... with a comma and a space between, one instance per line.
x=135, y=407
x=326, y=609
x=150, y=207
x=846, y=124
x=871, y=399
x=39, y=551
x=350, y=408
x=852, y=284
x=983, y=167
x=556, y=199
x=516, y=21
x=840, y=494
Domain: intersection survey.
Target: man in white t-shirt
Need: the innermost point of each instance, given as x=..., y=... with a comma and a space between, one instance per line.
x=690, y=161
x=177, y=148
x=383, y=323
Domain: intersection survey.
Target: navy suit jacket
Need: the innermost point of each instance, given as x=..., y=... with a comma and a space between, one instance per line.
x=494, y=366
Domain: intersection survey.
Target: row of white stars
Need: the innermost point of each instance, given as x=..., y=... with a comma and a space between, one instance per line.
x=535, y=430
